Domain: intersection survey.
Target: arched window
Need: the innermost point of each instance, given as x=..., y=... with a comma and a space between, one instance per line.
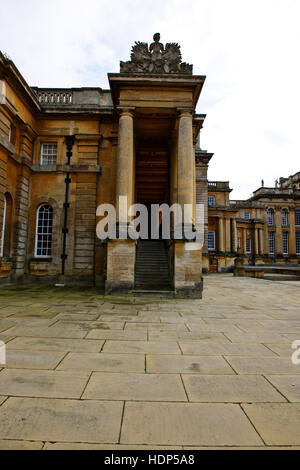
x=43, y=234
x=270, y=217
x=284, y=217
x=6, y=226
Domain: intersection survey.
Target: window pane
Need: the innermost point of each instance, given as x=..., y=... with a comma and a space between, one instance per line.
x=285, y=242
x=211, y=201
x=284, y=218
x=270, y=217
x=298, y=243
x=48, y=154
x=271, y=243
x=248, y=245
x=211, y=240
x=297, y=217
x=44, y=230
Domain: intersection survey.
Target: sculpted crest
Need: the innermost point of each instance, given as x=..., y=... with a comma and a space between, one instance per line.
x=156, y=59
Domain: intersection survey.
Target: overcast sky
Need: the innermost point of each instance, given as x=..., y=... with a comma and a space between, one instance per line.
x=249, y=51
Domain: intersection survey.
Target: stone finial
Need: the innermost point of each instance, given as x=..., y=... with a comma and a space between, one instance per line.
x=156, y=59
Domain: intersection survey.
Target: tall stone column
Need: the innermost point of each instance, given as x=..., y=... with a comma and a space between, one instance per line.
x=261, y=242
x=221, y=235
x=125, y=159
x=121, y=252
x=186, y=162
x=228, y=236
x=292, y=234
x=234, y=236
x=187, y=256
x=256, y=241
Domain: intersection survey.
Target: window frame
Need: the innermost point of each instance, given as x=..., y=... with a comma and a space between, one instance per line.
x=270, y=221
x=285, y=217
x=248, y=249
x=298, y=242
x=272, y=235
x=212, y=198
x=42, y=156
x=214, y=240
x=285, y=243
x=248, y=216
x=297, y=215
x=47, y=234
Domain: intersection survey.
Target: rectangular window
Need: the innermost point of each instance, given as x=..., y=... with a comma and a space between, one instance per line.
x=211, y=240
x=285, y=242
x=284, y=218
x=247, y=215
x=239, y=243
x=248, y=245
x=297, y=217
x=271, y=243
x=48, y=154
x=211, y=201
x=298, y=243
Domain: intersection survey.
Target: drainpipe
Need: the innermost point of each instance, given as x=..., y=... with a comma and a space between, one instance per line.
x=70, y=139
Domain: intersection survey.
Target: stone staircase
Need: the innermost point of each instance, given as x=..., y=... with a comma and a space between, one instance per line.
x=152, y=266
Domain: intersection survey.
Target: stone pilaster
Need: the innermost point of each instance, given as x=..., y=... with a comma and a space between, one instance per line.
x=234, y=236
x=21, y=220
x=221, y=236
x=227, y=236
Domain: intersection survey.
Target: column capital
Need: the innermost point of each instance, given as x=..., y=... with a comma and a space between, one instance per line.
x=185, y=112
x=126, y=111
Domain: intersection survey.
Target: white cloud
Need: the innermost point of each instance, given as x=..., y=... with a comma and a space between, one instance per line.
x=248, y=50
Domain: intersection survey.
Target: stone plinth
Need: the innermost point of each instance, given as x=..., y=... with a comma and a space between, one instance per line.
x=120, y=266
x=188, y=280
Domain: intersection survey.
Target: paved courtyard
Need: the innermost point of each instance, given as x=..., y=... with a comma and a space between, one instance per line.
x=85, y=371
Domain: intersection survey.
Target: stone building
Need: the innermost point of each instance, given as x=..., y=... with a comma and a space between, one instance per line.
x=263, y=229
x=64, y=152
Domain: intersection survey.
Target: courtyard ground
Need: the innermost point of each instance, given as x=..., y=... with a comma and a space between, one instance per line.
x=85, y=371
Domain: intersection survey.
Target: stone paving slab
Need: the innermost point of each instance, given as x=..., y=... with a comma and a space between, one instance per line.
x=2, y=399
x=103, y=362
x=263, y=365
x=185, y=335
x=263, y=337
x=46, y=332
x=20, y=359
x=90, y=325
x=43, y=419
x=288, y=385
x=20, y=445
x=55, y=344
x=136, y=387
x=282, y=349
x=230, y=389
x=221, y=349
x=156, y=326
x=48, y=384
x=82, y=446
x=187, y=364
x=277, y=423
x=141, y=347
x=122, y=335
x=199, y=424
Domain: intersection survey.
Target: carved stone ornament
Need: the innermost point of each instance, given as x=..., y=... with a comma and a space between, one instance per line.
x=156, y=59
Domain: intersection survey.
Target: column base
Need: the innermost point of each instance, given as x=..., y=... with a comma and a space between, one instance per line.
x=194, y=292
x=188, y=281
x=120, y=266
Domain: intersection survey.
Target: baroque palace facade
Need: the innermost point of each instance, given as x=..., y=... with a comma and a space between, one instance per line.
x=63, y=152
